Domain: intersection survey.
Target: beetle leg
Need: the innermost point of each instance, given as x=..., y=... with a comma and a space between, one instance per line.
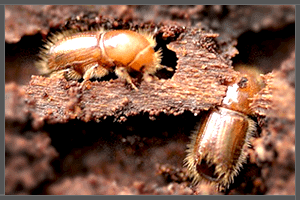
x=66, y=73
x=122, y=73
x=90, y=73
x=100, y=72
x=58, y=74
x=147, y=77
x=72, y=74
x=94, y=71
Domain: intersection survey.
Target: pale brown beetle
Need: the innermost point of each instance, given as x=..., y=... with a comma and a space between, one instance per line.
x=92, y=54
x=217, y=149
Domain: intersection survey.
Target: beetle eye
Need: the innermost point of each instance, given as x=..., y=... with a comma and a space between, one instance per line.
x=143, y=68
x=243, y=82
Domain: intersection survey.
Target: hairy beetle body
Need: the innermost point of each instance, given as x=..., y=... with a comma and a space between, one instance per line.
x=217, y=149
x=93, y=54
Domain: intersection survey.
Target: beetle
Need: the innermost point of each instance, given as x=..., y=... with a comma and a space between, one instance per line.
x=93, y=54
x=218, y=146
